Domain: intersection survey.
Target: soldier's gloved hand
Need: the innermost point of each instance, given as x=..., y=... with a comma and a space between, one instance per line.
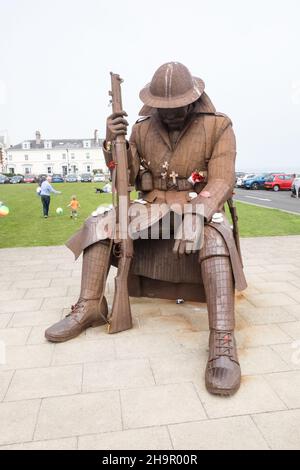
x=116, y=124
x=189, y=235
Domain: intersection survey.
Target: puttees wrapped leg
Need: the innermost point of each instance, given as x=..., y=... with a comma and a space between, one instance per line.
x=95, y=264
x=222, y=375
x=91, y=307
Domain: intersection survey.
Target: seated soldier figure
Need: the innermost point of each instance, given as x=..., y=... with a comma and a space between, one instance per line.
x=179, y=136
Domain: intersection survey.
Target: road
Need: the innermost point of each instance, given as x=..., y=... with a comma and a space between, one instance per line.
x=276, y=200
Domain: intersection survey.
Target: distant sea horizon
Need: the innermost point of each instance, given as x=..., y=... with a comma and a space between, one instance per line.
x=268, y=170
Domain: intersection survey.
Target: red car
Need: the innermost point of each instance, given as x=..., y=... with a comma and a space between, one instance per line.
x=278, y=182
x=29, y=179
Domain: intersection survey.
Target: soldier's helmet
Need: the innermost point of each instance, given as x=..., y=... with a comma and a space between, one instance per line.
x=172, y=86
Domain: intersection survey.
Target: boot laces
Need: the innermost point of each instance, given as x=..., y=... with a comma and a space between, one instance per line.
x=76, y=307
x=224, y=343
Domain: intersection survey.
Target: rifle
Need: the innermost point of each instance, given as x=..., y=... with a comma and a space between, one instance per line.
x=120, y=318
x=235, y=219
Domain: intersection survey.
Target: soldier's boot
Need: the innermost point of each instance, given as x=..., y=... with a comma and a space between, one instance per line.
x=222, y=374
x=88, y=310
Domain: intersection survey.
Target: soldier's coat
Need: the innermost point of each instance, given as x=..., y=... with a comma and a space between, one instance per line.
x=206, y=144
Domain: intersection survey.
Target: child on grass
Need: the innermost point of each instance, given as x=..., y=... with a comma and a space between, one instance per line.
x=74, y=205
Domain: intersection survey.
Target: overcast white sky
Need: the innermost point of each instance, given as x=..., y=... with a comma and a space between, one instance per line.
x=56, y=57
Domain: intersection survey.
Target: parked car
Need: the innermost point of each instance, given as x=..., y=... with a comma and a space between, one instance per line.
x=279, y=181
x=17, y=179
x=99, y=178
x=240, y=181
x=239, y=174
x=57, y=179
x=29, y=179
x=4, y=179
x=86, y=178
x=71, y=179
x=256, y=182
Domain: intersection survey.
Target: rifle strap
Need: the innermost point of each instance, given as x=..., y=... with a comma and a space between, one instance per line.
x=114, y=177
x=111, y=241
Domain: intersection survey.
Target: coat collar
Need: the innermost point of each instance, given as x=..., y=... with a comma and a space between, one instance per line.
x=201, y=106
x=204, y=105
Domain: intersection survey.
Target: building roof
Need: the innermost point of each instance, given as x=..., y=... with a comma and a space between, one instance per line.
x=59, y=143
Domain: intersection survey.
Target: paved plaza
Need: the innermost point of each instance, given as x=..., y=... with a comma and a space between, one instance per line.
x=144, y=388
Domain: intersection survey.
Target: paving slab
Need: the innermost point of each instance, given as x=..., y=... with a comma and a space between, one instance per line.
x=144, y=388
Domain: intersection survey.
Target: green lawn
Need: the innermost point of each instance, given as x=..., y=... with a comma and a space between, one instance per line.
x=257, y=221
x=25, y=226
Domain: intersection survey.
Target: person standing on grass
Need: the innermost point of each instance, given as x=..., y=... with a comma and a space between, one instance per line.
x=74, y=205
x=46, y=190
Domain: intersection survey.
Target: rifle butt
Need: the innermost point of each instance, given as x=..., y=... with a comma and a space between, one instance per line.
x=236, y=235
x=120, y=318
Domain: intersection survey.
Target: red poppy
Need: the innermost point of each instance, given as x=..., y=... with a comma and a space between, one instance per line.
x=196, y=177
x=112, y=165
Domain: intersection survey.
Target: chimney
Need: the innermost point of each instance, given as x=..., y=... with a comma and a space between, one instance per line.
x=38, y=138
x=96, y=136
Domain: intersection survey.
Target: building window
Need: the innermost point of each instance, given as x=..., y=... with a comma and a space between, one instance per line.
x=26, y=157
x=86, y=144
x=27, y=170
x=88, y=168
x=48, y=157
x=63, y=156
x=49, y=170
x=26, y=145
x=72, y=156
x=47, y=144
x=11, y=171
x=10, y=158
x=87, y=156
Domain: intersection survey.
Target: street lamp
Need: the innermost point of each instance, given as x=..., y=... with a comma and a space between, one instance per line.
x=68, y=165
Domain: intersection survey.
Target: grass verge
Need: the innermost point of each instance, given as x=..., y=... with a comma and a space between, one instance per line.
x=25, y=226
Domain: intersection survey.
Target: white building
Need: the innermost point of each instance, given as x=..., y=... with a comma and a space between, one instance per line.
x=3, y=146
x=56, y=156
x=2, y=158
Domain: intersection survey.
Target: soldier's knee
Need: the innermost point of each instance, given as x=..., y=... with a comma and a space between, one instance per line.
x=213, y=244
x=99, y=227
x=89, y=222
x=99, y=217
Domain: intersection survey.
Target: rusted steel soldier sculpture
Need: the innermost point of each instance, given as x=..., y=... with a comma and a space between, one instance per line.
x=180, y=145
